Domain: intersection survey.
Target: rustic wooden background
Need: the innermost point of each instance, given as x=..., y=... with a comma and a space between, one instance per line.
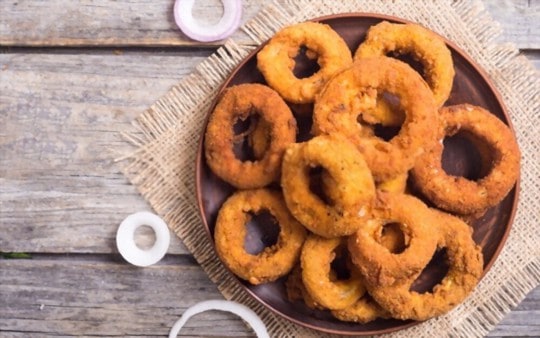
x=73, y=75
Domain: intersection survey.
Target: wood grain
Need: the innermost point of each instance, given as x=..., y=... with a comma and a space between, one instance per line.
x=105, y=22
x=60, y=121
x=520, y=20
x=524, y=320
x=99, y=296
x=92, y=295
x=143, y=23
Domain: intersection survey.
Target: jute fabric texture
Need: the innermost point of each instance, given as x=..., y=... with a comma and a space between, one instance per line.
x=166, y=139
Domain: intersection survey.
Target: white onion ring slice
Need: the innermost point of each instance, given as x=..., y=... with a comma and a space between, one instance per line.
x=222, y=305
x=227, y=24
x=126, y=243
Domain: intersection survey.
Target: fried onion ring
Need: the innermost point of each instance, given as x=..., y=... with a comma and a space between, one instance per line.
x=379, y=265
x=397, y=184
x=355, y=188
x=230, y=232
x=385, y=113
x=465, y=262
x=363, y=311
x=392, y=238
x=259, y=139
x=276, y=59
x=297, y=291
x=459, y=194
x=424, y=46
x=317, y=275
x=238, y=103
x=352, y=90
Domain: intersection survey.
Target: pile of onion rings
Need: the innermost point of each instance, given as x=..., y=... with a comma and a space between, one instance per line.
x=360, y=216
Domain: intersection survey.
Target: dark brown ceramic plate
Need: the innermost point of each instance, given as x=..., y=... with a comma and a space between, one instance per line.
x=471, y=85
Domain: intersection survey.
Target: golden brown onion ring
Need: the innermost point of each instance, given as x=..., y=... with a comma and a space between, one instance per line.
x=259, y=139
x=392, y=238
x=325, y=289
x=230, y=232
x=297, y=291
x=238, y=103
x=379, y=265
x=397, y=184
x=459, y=194
x=353, y=90
x=276, y=59
x=363, y=311
x=465, y=263
x=354, y=191
x=422, y=44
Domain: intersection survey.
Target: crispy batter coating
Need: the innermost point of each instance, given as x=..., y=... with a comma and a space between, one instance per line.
x=397, y=184
x=276, y=59
x=386, y=112
x=392, y=238
x=363, y=311
x=238, y=103
x=319, y=280
x=230, y=232
x=424, y=46
x=379, y=265
x=355, y=188
x=297, y=291
x=355, y=89
x=459, y=194
x=465, y=262
x=259, y=138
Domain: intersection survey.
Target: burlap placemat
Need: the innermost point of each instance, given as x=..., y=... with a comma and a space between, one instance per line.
x=167, y=135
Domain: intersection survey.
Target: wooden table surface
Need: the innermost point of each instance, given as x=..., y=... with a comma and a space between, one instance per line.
x=73, y=75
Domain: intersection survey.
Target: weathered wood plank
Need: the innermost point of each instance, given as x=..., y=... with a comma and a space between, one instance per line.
x=520, y=20
x=60, y=121
x=138, y=23
x=100, y=297
x=524, y=320
x=104, y=22
x=534, y=57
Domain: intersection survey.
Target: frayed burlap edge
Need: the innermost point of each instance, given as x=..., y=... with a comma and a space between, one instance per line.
x=166, y=138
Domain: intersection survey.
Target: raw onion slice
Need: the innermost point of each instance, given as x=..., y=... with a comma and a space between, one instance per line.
x=125, y=241
x=222, y=305
x=228, y=23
